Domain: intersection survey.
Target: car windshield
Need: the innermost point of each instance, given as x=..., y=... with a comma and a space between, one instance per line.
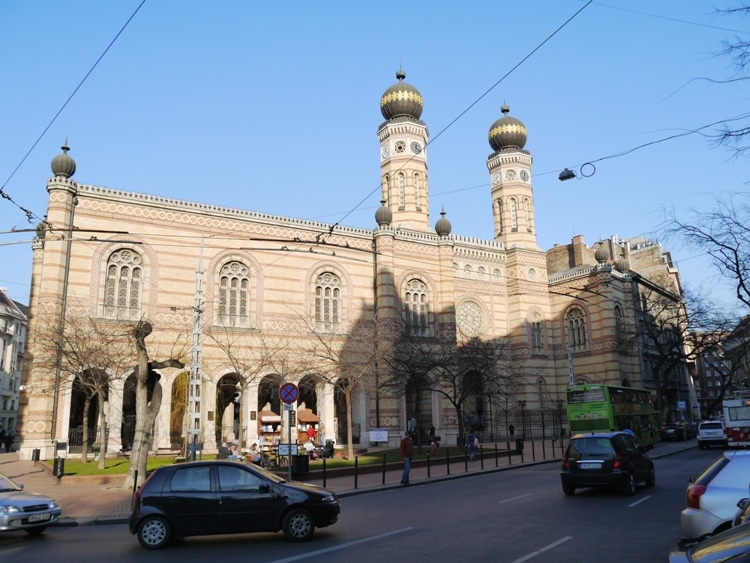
x=7, y=485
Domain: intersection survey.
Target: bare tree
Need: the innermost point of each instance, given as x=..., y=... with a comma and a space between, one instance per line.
x=148, y=397
x=345, y=362
x=94, y=354
x=250, y=355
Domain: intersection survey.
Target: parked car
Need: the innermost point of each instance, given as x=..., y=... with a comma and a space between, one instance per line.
x=730, y=545
x=712, y=498
x=19, y=510
x=672, y=433
x=223, y=497
x=606, y=459
x=691, y=430
x=711, y=433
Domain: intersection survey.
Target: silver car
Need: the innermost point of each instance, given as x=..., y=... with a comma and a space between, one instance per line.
x=20, y=510
x=712, y=498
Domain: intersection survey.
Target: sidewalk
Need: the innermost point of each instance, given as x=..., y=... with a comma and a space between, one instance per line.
x=89, y=500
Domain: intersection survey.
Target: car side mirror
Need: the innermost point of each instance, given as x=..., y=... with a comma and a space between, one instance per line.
x=264, y=488
x=742, y=503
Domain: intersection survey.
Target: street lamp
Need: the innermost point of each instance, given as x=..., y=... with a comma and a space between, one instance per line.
x=522, y=404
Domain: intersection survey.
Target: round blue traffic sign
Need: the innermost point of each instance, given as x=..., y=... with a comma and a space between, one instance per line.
x=288, y=393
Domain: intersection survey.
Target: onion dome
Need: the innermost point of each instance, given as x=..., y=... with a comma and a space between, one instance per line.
x=624, y=265
x=63, y=165
x=601, y=254
x=401, y=100
x=384, y=215
x=507, y=132
x=443, y=226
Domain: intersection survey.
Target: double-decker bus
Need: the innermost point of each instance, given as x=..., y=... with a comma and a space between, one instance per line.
x=607, y=408
x=737, y=420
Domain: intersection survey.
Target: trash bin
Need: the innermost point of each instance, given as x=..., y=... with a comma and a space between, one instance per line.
x=58, y=469
x=519, y=444
x=35, y=455
x=300, y=464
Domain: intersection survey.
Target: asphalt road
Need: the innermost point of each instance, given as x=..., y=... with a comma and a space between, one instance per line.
x=513, y=516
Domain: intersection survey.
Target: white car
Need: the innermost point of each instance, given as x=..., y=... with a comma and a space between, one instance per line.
x=711, y=433
x=20, y=510
x=712, y=498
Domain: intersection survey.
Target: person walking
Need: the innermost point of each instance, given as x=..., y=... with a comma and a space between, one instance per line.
x=473, y=445
x=407, y=451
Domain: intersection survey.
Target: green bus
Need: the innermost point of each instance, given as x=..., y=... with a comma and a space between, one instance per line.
x=606, y=408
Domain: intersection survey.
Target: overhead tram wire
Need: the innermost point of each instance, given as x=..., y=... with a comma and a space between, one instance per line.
x=470, y=106
x=3, y=193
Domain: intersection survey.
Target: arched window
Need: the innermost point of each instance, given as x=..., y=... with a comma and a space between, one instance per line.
x=401, y=191
x=500, y=215
x=541, y=392
x=327, y=302
x=537, y=334
x=417, y=308
x=513, y=213
x=418, y=190
x=234, y=294
x=619, y=325
x=123, y=285
x=387, y=182
x=576, y=330
x=529, y=214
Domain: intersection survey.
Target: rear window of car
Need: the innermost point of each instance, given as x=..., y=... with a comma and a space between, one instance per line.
x=712, y=471
x=590, y=446
x=710, y=426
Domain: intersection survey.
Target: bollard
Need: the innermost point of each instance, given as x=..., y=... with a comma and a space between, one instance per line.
x=58, y=469
x=383, y=481
x=356, y=467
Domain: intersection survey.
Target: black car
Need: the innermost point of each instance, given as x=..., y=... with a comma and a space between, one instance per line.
x=611, y=459
x=672, y=433
x=223, y=497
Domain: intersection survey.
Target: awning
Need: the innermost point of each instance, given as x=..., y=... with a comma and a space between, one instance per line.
x=269, y=416
x=307, y=416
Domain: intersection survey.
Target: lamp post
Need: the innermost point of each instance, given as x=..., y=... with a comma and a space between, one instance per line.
x=560, y=421
x=522, y=404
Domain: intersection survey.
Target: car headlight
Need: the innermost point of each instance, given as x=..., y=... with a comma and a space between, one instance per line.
x=9, y=509
x=53, y=504
x=329, y=499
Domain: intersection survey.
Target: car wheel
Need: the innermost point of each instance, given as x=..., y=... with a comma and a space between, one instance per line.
x=569, y=489
x=651, y=477
x=629, y=487
x=154, y=532
x=36, y=530
x=298, y=525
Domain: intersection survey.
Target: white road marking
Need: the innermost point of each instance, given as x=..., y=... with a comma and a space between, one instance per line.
x=514, y=498
x=309, y=554
x=543, y=549
x=639, y=501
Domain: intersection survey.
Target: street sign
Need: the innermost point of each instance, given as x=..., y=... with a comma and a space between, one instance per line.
x=288, y=393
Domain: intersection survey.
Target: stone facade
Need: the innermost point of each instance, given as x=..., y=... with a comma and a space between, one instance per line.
x=241, y=297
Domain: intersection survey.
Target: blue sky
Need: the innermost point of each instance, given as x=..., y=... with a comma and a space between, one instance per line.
x=274, y=107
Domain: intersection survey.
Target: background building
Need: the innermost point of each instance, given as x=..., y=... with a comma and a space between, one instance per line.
x=12, y=346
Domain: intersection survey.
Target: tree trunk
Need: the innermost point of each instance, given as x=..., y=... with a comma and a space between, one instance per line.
x=349, y=425
x=85, y=430
x=139, y=453
x=102, y=433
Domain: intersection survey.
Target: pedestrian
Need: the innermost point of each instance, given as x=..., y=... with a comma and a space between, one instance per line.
x=432, y=439
x=311, y=433
x=8, y=441
x=473, y=444
x=407, y=451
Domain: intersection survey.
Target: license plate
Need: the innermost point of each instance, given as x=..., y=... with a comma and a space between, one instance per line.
x=39, y=517
x=589, y=466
